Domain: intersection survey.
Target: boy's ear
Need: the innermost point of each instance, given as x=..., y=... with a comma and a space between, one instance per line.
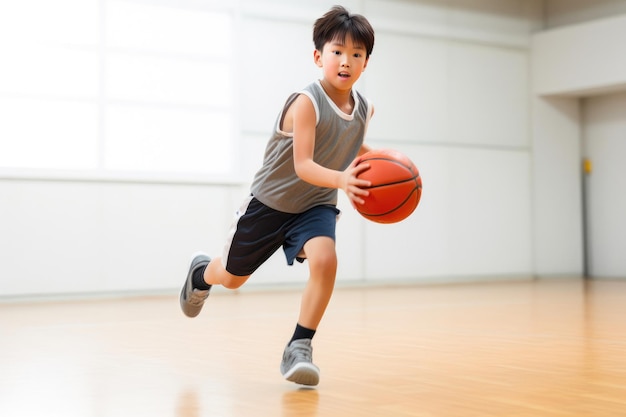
x=317, y=58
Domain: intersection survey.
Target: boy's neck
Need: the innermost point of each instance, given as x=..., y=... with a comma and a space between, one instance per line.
x=342, y=98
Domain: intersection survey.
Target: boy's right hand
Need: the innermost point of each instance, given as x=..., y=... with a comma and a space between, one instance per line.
x=352, y=185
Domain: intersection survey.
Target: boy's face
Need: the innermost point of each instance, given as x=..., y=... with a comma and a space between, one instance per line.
x=342, y=64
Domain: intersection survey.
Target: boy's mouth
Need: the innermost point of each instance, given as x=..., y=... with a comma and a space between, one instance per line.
x=344, y=75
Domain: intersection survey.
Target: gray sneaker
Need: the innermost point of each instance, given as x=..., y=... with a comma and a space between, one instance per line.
x=297, y=365
x=191, y=300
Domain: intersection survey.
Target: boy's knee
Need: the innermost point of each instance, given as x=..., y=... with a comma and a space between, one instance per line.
x=231, y=285
x=324, y=261
x=232, y=282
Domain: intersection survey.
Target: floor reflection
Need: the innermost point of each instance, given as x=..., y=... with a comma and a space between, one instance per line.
x=301, y=402
x=188, y=404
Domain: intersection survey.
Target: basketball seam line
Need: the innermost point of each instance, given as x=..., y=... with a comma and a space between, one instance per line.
x=396, y=182
x=396, y=207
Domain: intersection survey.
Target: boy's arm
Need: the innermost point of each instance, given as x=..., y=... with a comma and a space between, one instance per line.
x=365, y=147
x=310, y=171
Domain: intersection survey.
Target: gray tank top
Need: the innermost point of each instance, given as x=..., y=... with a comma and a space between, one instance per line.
x=338, y=138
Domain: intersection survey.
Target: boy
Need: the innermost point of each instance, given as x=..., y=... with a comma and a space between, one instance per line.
x=312, y=153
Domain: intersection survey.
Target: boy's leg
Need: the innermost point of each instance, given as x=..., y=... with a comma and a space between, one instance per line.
x=322, y=259
x=297, y=364
x=215, y=273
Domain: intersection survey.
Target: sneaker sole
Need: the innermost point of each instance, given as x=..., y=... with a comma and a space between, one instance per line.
x=304, y=374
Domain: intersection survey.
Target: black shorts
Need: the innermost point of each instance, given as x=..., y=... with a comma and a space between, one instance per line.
x=258, y=231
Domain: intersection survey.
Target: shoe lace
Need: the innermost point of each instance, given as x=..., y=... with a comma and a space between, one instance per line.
x=197, y=297
x=301, y=353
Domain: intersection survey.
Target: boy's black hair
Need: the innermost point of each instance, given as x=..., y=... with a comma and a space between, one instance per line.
x=337, y=23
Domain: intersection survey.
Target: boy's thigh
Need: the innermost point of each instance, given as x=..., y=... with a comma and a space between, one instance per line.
x=254, y=237
x=318, y=222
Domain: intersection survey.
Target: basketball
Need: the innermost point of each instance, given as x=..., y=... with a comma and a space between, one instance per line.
x=396, y=186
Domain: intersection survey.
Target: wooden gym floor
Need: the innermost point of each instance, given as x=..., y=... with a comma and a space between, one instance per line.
x=540, y=348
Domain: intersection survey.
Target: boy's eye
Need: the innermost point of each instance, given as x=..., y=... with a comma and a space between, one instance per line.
x=357, y=55
x=337, y=52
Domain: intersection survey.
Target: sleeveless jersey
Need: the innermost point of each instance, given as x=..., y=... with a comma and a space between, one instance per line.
x=338, y=138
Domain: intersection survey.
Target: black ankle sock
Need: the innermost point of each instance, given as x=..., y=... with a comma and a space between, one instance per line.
x=302, y=333
x=198, y=280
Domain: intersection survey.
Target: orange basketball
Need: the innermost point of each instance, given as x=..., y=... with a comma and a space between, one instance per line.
x=396, y=186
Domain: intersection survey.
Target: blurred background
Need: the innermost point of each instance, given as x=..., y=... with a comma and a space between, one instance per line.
x=131, y=129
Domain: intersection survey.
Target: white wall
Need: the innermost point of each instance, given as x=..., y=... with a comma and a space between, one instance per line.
x=81, y=237
x=557, y=200
x=569, y=64
x=604, y=129
x=581, y=59
x=451, y=87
